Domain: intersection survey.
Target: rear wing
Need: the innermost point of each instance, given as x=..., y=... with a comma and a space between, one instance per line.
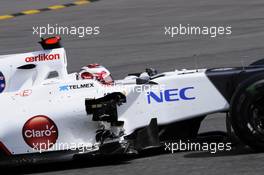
x=20, y=71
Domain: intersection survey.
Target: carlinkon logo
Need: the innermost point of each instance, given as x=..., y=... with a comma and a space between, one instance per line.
x=43, y=57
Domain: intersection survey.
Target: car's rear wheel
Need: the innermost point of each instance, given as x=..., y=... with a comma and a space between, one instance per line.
x=247, y=112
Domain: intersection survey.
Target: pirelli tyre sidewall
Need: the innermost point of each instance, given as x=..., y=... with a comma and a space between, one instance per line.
x=247, y=112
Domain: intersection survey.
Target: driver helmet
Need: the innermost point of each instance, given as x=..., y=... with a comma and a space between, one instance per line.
x=95, y=71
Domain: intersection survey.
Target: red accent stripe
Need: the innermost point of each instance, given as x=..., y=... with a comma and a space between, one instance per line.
x=4, y=148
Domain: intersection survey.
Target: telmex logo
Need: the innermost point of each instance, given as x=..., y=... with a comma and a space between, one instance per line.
x=170, y=95
x=79, y=86
x=43, y=57
x=40, y=132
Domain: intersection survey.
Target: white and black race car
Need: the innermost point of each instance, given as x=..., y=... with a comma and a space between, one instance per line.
x=48, y=113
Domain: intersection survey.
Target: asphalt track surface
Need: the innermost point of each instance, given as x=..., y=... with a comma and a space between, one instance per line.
x=132, y=38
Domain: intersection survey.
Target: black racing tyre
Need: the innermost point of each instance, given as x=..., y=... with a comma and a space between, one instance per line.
x=247, y=112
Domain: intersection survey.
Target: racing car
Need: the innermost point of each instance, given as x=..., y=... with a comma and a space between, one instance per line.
x=50, y=114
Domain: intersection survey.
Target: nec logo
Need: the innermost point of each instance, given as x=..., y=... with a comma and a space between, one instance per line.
x=170, y=95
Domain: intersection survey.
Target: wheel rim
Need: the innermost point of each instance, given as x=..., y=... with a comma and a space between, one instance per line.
x=257, y=116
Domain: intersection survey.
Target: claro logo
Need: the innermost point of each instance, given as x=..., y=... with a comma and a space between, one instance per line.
x=40, y=132
x=43, y=57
